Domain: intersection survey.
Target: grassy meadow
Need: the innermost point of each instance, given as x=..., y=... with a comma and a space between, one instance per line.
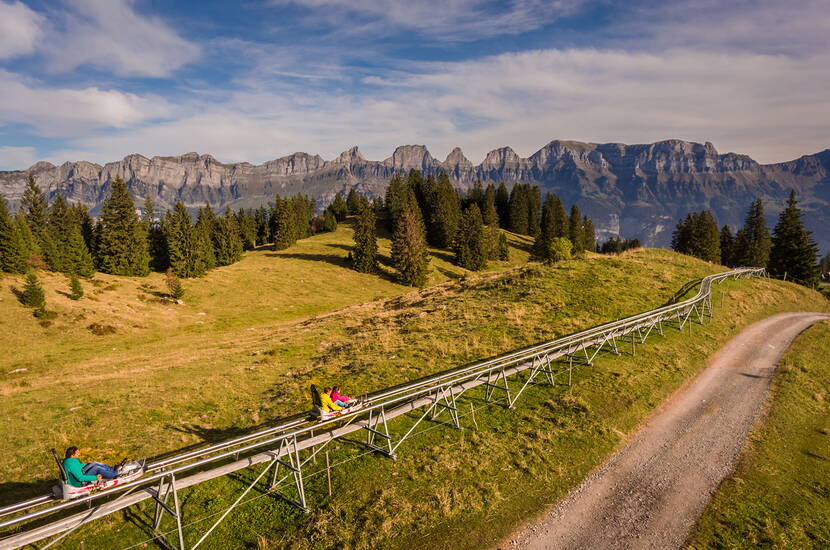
x=779, y=495
x=251, y=337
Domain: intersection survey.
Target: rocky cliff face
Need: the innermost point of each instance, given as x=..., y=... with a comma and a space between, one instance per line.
x=636, y=190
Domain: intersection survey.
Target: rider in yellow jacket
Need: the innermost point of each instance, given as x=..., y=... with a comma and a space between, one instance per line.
x=328, y=404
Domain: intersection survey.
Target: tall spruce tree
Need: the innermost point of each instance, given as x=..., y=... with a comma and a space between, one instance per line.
x=339, y=208
x=329, y=220
x=503, y=205
x=576, y=233
x=156, y=245
x=561, y=224
x=489, y=213
x=470, y=243
x=282, y=224
x=70, y=253
x=519, y=209
x=589, y=235
x=398, y=194
x=205, y=229
x=409, y=246
x=183, y=243
x=534, y=210
x=824, y=266
x=794, y=254
x=226, y=241
x=727, y=247
x=36, y=209
x=365, y=250
x=353, y=202
x=13, y=250
x=247, y=228
x=445, y=214
x=263, y=230
x=504, y=250
x=547, y=232
x=27, y=239
x=753, y=242
x=698, y=235
x=122, y=243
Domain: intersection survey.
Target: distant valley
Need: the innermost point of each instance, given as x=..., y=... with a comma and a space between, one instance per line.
x=634, y=190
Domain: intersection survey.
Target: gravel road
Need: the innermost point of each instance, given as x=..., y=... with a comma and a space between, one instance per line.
x=651, y=492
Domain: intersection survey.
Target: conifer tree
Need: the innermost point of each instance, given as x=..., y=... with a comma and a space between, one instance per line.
x=589, y=235
x=398, y=194
x=205, y=229
x=576, y=234
x=78, y=258
x=753, y=242
x=247, y=228
x=470, y=244
x=122, y=243
x=282, y=223
x=409, y=247
x=36, y=209
x=698, y=235
x=226, y=242
x=32, y=294
x=561, y=249
x=475, y=195
x=339, y=208
x=353, y=202
x=156, y=246
x=183, y=243
x=727, y=247
x=426, y=194
x=329, y=220
x=263, y=230
x=794, y=254
x=824, y=266
x=365, y=250
x=27, y=239
x=488, y=212
x=174, y=285
x=13, y=250
x=445, y=214
x=76, y=291
x=561, y=224
x=70, y=253
x=547, y=232
x=534, y=210
x=504, y=250
x=84, y=221
x=503, y=205
x=519, y=208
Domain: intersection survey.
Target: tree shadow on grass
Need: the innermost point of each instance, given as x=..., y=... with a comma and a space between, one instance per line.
x=346, y=247
x=333, y=259
x=449, y=273
x=443, y=255
x=15, y=491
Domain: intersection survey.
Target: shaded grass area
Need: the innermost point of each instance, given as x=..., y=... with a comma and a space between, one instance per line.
x=448, y=488
x=779, y=495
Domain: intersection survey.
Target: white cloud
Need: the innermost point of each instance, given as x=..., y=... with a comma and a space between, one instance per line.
x=71, y=112
x=17, y=158
x=452, y=20
x=19, y=29
x=741, y=102
x=111, y=35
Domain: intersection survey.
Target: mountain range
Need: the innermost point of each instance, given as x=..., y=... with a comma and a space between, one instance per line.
x=633, y=190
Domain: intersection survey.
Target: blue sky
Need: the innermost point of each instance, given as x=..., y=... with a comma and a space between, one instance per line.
x=257, y=79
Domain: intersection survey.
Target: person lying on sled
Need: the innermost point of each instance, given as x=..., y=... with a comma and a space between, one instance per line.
x=328, y=404
x=80, y=473
x=339, y=398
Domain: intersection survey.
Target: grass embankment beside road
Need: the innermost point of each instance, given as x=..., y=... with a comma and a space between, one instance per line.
x=460, y=489
x=779, y=494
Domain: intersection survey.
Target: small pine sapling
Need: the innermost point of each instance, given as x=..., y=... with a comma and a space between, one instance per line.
x=76, y=290
x=32, y=294
x=174, y=285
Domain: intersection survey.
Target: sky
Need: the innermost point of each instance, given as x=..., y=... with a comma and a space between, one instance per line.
x=254, y=80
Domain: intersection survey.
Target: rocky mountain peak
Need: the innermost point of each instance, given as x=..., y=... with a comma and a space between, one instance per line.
x=408, y=157
x=351, y=156
x=456, y=158
x=500, y=157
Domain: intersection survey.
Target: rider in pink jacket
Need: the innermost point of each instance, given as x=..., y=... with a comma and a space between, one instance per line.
x=339, y=398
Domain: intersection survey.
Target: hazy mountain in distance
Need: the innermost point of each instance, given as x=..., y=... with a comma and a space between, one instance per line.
x=633, y=190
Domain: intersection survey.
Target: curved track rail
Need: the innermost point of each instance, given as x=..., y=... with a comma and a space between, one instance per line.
x=279, y=446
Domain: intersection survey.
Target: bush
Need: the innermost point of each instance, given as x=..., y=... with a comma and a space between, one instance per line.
x=76, y=290
x=174, y=285
x=32, y=294
x=560, y=249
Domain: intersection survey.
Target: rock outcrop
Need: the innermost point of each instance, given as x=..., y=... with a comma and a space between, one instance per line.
x=636, y=190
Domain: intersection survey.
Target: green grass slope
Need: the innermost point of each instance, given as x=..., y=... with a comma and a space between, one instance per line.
x=779, y=495
x=184, y=382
